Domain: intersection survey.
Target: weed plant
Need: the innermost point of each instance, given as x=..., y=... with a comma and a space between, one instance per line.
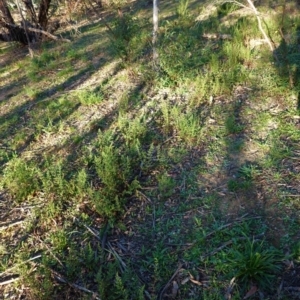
x=47, y=61
x=89, y=98
x=182, y=8
x=127, y=37
x=255, y=264
x=20, y=178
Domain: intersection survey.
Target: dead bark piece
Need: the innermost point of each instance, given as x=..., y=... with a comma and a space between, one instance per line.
x=175, y=289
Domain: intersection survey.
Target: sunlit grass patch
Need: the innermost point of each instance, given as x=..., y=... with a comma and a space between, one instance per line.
x=88, y=98
x=20, y=178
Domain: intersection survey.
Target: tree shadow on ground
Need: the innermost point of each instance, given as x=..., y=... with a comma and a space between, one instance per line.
x=25, y=115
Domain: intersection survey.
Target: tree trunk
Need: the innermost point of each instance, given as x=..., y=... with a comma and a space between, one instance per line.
x=30, y=11
x=43, y=13
x=14, y=32
x=155, y=32
x=6, y=15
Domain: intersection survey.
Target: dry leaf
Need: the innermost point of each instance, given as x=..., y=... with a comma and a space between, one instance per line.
x=185, y=280
x=195, y=281
x=175, y=289
x=251, y=292
x=229, y=289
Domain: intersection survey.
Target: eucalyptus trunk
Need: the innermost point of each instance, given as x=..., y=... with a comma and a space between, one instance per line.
x=155, y=33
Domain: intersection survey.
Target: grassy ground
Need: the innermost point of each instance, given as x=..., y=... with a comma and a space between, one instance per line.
x=119, y=182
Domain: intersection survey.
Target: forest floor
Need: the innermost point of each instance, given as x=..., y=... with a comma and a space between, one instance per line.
x=119, y=181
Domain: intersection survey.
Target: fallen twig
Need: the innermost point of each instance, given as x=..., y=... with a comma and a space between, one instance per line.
x=5, y=226
x=117, y=257
x=255, y=238
x=293, y=288
x=110, y=248
x=75, y=286
x=49, y=250
x=143, y=195
x=48, y=34
x=51, y=36
x=9, y=281
x=226, y=225
x=230, y=288
x=22, y=263
x=260, y=25
x=161, y=293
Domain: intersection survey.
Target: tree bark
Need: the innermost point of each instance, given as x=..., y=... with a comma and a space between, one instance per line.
x=5, y=13
x=155, y=32
x=24, y=33
x=43, y=13
x=30, y=11
x=13, y=32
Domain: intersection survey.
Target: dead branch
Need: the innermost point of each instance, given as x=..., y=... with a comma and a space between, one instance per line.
x=46, y=33
x=36, y=30
x=5, y=226
x=117, y=257
x=51, y=253
x=22, y=263
x=239, y=220
x=161, y=294
x=60, y=278
x=255, y=238
x=260, y=24
x=257, y=15
x=9, y=281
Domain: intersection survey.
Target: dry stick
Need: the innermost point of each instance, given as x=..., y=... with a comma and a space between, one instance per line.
x=75, y=286
x=260, y=25
x=9, y=281
x=226, y=225
x=22, y=263
x=142, y=194
x=253, y=8
x=293, y=288
x=160, y=295
x=110, y=248
x=117, y=256
x=241, y=219
x=49, y=250
x=42, y=32
x=48, y=34
x=11, y=225
x=236, y=2
x=229, y=243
